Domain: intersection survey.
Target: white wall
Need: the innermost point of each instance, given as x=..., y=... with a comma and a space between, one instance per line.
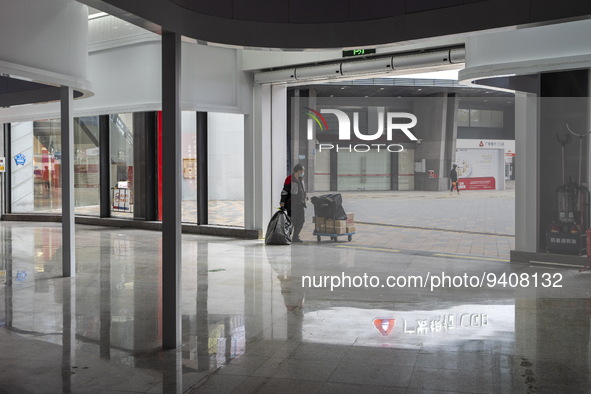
x=225, y=144
x=531, y=50
x=125, y=72
x=45, y=40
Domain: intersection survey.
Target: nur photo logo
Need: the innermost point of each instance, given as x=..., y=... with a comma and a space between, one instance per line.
x=387, y=122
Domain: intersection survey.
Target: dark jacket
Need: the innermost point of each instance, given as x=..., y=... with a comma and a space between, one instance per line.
x=453, y=175
x=294, y=192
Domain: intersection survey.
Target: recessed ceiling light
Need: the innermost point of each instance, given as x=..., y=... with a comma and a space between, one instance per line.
x=97, y=15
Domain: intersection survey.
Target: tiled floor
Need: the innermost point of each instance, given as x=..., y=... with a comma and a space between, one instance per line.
x=254, y=323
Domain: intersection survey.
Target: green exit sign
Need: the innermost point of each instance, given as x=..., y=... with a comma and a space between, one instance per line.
x=358, y=52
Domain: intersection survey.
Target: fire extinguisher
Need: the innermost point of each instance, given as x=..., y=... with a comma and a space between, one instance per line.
x=588, y=266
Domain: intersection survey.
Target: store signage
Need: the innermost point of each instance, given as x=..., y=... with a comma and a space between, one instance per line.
x=2, y=164
x=482, y=183
x=21, y=276
x=384, y=326
x=121, y=199
x=445, y=323
x=20, y=159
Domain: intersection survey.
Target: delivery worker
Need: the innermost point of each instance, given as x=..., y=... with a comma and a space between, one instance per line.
x=293, y=198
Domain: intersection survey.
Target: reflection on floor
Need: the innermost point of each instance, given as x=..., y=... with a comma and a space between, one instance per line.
x=221, y=212
x=475, y=223
x=265, y=319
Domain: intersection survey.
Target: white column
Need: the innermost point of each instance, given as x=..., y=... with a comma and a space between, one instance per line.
x=278, y=144
x=265, y=155
x=67, y=134
x=527, y=173
x=260, y=175
x=249, y=178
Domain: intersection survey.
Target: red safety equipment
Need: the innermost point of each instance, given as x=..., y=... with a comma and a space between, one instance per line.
x=588, y=266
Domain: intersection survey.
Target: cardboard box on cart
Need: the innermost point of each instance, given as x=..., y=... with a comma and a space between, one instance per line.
x=319, y=220
x=336, y=226
x=350, y=222
x=350, y=219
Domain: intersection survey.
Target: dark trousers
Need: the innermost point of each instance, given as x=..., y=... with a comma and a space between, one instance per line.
x=452, y=186
x=297, y=215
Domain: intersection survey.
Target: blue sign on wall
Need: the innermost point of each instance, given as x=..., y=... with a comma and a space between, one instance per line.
x=20, y=159
x=21, y=276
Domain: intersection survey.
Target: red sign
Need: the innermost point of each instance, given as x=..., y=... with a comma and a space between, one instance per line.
x=486, y=183
x=384, y=326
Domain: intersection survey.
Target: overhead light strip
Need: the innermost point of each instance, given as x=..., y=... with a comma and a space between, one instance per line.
x=97, y=15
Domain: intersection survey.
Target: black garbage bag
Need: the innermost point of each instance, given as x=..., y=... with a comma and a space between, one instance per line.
x=329, y=206
x=279, y=229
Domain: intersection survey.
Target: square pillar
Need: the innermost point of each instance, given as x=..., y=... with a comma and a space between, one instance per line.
x=67, y=134
x=202, y=170
x=171, y=191
x=527, y=173
x=105, y=164
x=144, y=158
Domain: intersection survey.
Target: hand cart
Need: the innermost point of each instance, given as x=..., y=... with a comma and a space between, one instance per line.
x=333, y=237
x=330, y=206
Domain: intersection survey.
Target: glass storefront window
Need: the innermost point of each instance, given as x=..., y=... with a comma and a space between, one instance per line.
x=121, y=135
x=36, y=166
x=86, y=166
x=189, y=166
x=36, y=162
x=364, y=171
x=480, y=118
x=36, y=169
x=47, y=158
x=226, y=169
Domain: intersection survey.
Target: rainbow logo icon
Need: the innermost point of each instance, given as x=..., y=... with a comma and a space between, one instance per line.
x=318, y=118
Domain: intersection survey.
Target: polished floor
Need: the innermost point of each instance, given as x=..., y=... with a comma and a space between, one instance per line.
x=264, y=319
x=474, y=223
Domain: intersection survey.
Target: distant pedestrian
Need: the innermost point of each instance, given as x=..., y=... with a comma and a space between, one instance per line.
x=45, y=178
x=453, y=176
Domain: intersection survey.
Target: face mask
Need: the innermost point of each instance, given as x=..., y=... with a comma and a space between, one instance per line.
x=302, y=175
